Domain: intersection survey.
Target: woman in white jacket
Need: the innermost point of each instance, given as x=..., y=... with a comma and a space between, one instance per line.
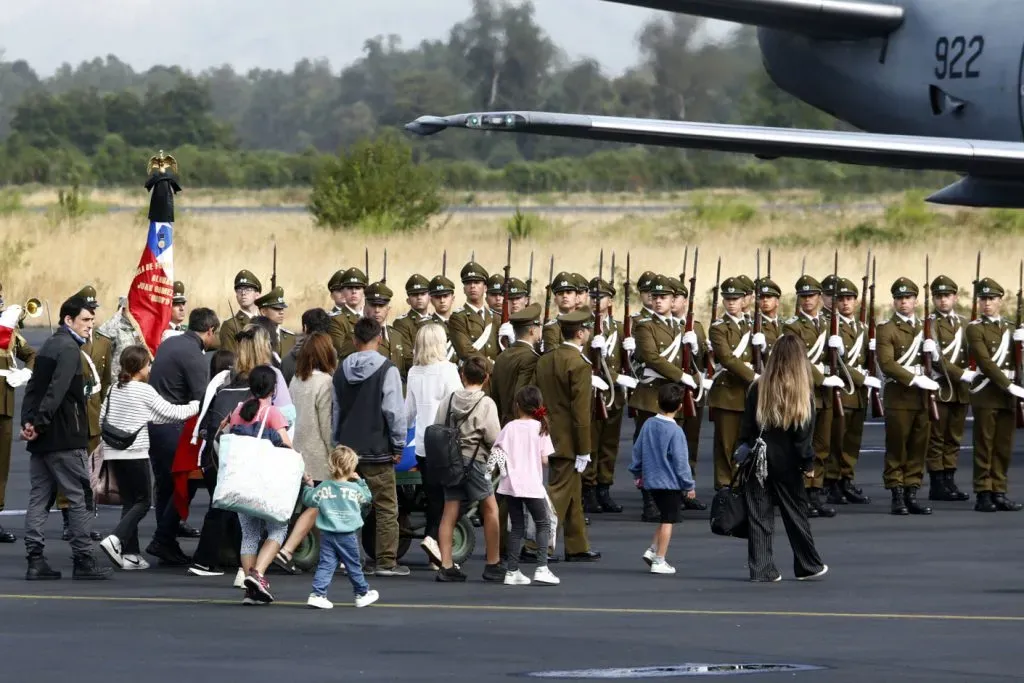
x=431, y=380
x=130, y=405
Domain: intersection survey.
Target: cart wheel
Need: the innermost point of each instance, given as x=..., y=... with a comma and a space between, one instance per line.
x=307, y=556
x=463, y=540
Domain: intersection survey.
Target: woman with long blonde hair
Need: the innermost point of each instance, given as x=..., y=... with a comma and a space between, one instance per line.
x=778, y=419
x=254, y=350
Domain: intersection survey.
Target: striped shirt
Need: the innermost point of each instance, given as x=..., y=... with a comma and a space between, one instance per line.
x=131, y=408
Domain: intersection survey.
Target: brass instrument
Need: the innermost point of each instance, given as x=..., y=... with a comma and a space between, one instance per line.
x=161, y=163
x=33, y=308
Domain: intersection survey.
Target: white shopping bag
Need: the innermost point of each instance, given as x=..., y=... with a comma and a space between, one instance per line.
x=257, y=478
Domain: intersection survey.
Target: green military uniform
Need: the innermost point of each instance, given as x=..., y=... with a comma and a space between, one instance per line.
x=179, y=298
x=18, y=350
x=730, y=342
x=898, y=343
x=771, y=328
x=991, y=342
x=439, y=286
x=516, y=289
x=551, y=338
x=813, y=332
x=356, y=279
x=474, y=331
x=238, y=321
x=285, y=338
x=516, y=366
x=848, y=432
x=564, y=379
x=393, y=344
x=496, y=287
x=97, y=359
x=691, y=425
x=953, y=398
x=410, y=323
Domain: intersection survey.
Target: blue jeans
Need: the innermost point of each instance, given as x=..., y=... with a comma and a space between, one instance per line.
x=335, y=548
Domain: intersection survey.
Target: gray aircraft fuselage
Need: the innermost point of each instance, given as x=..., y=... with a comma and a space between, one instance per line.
x=952, y=69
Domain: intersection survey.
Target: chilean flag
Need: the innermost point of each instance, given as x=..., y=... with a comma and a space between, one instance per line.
x=152, y=290
x=8, y=327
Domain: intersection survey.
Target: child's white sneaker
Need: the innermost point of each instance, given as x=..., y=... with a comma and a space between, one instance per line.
x=239, y=578
x=516, y=578
x=111, y=545
x=662, y=567
x=367, y=598
x=544, y=576
x=319, y=601
x=649, y=556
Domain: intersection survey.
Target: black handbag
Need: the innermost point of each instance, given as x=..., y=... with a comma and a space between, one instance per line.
x=729, y=515
x=117, y=438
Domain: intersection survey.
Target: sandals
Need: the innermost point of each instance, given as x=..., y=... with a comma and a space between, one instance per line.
x=283, y=559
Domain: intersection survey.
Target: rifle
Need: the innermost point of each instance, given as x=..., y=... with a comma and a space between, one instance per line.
x=689, y=403
x=769, y=273
x=1018, y=347
x=834, y=359
x=709, y=357
x=864, y=292
x=366, y=258
x=756, y=359
x=384, y=276
x=273, y=272
x=933, y=405
x=547, y=297
x=625, y=367
x=505, y=311
x=870, y=360
x=444, y=263
x=973, y=362
x=597, y=355
x=529, y=281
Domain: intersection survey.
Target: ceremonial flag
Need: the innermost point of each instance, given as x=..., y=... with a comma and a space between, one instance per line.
x=186, y=461
x=8, y=327
x=152, y=289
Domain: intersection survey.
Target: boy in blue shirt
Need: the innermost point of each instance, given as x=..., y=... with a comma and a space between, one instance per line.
x=340, y=502
x=661, y=466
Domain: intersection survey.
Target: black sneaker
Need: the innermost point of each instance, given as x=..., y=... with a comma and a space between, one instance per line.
x=494, y=572
x=168, y=553
x=453, y=574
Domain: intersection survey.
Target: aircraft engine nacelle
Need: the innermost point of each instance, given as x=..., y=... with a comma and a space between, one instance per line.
x=953, y=69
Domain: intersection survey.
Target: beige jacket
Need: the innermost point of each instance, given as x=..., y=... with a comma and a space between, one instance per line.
x=314, y=407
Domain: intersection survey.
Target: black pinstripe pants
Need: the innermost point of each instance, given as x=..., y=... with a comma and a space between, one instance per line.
x=791, y=497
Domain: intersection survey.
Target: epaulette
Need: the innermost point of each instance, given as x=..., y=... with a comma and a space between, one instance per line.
x=790, y=321
x=334, y=314
x=460, y=309
x=975, y=322
x=402, y=317
x=100, y=334
x=717, y=322
x=281, y=330
x=883, y=322
x=553, y=321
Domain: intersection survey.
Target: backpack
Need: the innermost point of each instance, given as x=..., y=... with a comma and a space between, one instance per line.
x=443, y=450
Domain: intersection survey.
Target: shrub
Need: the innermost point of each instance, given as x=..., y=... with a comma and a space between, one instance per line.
x=523, y=226
x=376, y=182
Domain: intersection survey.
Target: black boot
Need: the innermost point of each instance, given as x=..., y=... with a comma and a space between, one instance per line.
x=590, y=504
x=65, y=534
x=954, y=491
x=984, y=503
x=87, y=569
x=834, y=494
x=650, y=512
x=39, y=570
x=938, y=486
x=604, y=499
x=899, y=505
x=853, y=493
x=7, y=536
x=186, y=531
x=1004, y=504
x=913, y=507
x=821, y=509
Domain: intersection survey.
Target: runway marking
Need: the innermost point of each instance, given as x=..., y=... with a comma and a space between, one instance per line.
x=539, y=608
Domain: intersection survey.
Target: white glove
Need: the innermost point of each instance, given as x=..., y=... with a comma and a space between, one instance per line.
x=820, y=367
x=599, y=383
x=690, y=339
x=1017, y=391
x=872, y=382
x=687, y=381
x=925, y=383
x=836, y=342
x=598, y=342
x=757, y=376
x=629, y=344
x=626, y=381
x=18, y=377
x=707, y=383
x=582, y=461
x=759, y=341
x=707, y=343
x=833, y=381
x=930, y=347
x=506, y=332
x=1018, y=334
x=968, y=376
x=871, y=344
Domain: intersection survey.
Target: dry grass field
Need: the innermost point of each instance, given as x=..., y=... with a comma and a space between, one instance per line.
x=49, y=259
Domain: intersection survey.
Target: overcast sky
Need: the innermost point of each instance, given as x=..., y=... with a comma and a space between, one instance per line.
x=197, y=34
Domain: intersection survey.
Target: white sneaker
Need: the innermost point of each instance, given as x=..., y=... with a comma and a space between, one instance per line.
x=662, y=567
x=516, y=578
x=112, y=547
x=239, y=578
x=824, y=570
x=649, y=556
x=367, y=598
x=134, y=562
x=319, y=602
x=543, y=575
x=432, y=550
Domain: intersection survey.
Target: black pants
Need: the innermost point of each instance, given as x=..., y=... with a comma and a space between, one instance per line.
x=133, y=481
x=435, y=500
x=216, y=525
x=783, y=487
x=163, y=442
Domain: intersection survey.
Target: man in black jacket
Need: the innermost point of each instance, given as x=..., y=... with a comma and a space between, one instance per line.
x=56, y=427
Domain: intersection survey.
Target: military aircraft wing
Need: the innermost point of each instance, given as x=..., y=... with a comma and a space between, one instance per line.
x=819, y=18
x=983, y=160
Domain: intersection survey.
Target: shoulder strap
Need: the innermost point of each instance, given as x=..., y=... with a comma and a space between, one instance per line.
x=263, y=423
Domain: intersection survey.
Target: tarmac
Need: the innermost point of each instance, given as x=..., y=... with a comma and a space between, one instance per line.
x=922, y=598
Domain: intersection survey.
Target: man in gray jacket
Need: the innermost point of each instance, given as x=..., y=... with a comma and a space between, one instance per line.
x=369, y=418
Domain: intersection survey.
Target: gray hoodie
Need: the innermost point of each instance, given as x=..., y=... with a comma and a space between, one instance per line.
x=476, y=415
x=356, y=369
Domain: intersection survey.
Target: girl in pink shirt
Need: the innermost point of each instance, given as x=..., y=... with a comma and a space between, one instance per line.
x=525, y=445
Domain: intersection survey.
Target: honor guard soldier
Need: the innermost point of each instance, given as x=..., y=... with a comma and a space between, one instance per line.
x=417, y=295
x=564, y=379
x=272, y=306
x=393, y=344
x=899, y=347
x=442, y=296
x=353, y=296
x=473, y=328
x=496, y=293
x=247, y=289
x=12, y=374
x=954, y=395
x=771, y=326
x=563, y=287
x=178, y=312
x=730, y=338
x=643, y=286
x=336, y=287
x=748, y=288
x=517, y=295
x=516, y=366
x=848, y=433
x=994, y=398
x=826, y=295
x=812, y=328
x=604, y=434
